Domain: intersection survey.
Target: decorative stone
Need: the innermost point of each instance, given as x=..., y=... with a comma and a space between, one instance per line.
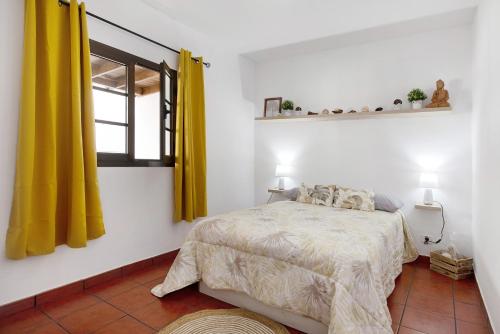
x=337, y=111
x=365, y=109
x=325, y=112
x=379, y=109
x=352, y=111
x=312, y=113
x=298, y=109
x=397, y=104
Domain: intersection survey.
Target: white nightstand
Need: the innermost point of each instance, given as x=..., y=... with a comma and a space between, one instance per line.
x=433, y=206
x=273, y=191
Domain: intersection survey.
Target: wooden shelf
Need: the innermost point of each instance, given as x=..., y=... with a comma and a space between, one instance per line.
x=433, y=206
x=357, y=115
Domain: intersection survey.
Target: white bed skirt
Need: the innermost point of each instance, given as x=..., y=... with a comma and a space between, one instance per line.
x=242, y=300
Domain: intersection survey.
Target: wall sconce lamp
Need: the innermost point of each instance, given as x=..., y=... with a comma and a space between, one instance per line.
x=282, y=171
x=429, y=181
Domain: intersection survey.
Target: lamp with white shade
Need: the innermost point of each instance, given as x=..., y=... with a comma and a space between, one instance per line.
x=282, y=171
x=429, y=181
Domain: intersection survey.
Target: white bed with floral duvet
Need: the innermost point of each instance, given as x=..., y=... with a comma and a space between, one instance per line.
x=334, y=265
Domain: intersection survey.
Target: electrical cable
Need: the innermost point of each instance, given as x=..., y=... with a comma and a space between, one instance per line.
x=427, y=239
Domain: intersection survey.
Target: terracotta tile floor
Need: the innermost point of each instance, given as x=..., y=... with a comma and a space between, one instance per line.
x=422, y=302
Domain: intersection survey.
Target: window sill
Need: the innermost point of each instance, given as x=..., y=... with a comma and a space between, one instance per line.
x=121, y=160
x=139, y=163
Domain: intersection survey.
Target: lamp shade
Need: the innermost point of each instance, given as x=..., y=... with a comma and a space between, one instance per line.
x=282, y=170
x=429, y=180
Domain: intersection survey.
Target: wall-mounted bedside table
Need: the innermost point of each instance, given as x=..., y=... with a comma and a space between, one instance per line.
x=433, y=206
x=273, y=191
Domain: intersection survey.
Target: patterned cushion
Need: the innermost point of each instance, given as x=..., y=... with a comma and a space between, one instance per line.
x=354, y=199
x=319, y=195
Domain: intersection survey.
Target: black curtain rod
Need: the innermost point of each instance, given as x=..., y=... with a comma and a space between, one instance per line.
x=62, y=2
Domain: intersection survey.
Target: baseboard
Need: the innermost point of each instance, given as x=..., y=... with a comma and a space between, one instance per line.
x=86, y=283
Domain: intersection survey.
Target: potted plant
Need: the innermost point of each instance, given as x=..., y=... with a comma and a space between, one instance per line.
x=416, y=97
x=287, y=107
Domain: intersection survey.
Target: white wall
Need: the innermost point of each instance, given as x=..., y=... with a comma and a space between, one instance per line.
x=486, y=224
x=384, y=154
x=137, y=202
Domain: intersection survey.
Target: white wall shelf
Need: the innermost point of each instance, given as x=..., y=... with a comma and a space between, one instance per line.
x=433, y=206
x=357, y=115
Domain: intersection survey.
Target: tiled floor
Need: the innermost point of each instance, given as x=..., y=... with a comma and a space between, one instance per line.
x=423, y=302
x=426, y=302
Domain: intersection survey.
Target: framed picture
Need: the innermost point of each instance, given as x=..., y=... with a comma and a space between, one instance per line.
x=272, y=106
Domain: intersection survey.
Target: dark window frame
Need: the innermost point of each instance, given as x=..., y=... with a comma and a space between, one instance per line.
x=130, y=61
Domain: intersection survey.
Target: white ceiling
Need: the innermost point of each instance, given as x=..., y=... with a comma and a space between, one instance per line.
x=254, y=25
x=441, y=21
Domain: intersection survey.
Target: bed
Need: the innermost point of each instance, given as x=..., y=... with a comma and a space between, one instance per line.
x=334, y=266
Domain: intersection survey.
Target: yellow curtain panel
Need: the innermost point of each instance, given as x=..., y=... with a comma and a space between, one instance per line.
x=190, y=151
x=56, y=196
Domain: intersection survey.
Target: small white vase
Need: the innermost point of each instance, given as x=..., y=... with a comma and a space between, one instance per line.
x=417, y=104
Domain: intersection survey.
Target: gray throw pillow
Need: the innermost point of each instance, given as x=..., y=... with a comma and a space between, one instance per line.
x=386, y=203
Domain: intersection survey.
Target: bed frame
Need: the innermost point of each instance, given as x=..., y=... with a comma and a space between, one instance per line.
x=287, y=318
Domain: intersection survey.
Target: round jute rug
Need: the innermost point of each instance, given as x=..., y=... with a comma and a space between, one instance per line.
x=224, y=321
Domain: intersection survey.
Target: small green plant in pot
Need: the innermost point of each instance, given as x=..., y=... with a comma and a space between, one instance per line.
x=416, y=97
x=287, y=107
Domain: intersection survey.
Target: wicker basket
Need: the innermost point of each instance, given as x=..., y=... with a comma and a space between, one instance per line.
x=455, y=268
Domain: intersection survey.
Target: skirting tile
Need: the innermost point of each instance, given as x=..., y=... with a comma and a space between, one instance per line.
x=59, y=293
x=18, y=306
x=101, y=278
x=165, y=258
x=137, y=266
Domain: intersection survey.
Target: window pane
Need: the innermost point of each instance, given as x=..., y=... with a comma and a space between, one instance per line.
x=147, y=113
x=108, y=74
x=167, y=88
x=167, y=121
x=167, y=143
x=111, y=138
x=110, y=107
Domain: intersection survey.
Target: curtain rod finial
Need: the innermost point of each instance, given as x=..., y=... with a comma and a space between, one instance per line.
x=208, y=65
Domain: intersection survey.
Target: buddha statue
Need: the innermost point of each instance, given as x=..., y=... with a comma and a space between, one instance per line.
x=440, y=96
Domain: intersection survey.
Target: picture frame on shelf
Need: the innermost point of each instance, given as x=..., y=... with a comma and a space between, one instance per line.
x=272, y=106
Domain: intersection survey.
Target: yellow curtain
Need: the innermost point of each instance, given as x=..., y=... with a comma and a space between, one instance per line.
x=56, y=196
x=190, y=155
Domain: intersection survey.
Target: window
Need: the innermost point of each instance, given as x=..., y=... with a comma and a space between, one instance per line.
x=134, y=107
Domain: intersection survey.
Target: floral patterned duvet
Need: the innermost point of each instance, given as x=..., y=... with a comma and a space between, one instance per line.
x=334, y=265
